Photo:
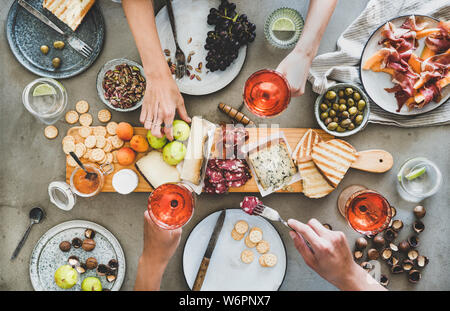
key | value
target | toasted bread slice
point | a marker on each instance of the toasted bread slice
(333, 158)
(69, 12)
(304, 147)
(314, 184)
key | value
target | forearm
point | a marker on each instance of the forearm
(141, 19)
(357, 279)
(149, 274)
(319, 14)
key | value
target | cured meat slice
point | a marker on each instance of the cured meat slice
(249, 203)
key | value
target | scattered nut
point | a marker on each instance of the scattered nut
(413, 254)
(414, 276)
(379, 241)
(113, 264)
(358, 255)
(88, 245)
(361, 243)
(413, 241)
(396, 269)
(419, 211)
(397, 225)
(407, 264)
(89, 233)
(81, 268)
(76, 242)
(367, 266)
(328, 226)
(404, 246)
(418, 226)
(102, 269)
(91, 263)
(393, 211)
(422, 261)
(390, 234)
(65, 246)
(386, 254)
(384, 280)
(73, 261)
(392, 261)
(393, 247)
(373, 254)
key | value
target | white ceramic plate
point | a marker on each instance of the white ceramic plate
(190, 20)
(375, 82)
(46, 257)
(226, 270)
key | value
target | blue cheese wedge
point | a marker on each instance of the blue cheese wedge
(273, 165)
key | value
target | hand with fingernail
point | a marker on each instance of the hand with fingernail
(330, 257)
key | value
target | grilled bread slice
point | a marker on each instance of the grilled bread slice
(304, 147)
(315, 186)
(71, 12)
(333, 158)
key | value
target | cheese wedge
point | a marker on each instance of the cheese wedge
(193, 160)
(333, 158)
(70, 12)
(155, 170)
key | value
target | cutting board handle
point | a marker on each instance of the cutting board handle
(374, 161)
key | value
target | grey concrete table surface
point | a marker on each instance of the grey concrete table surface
(29, 162)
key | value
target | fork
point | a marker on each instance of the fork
(180, 69)
(77, 44)
(272, 214)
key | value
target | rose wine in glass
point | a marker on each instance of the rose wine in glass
(368, 212)
(267, 93)
(171, 205)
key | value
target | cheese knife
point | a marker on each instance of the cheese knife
(201, 274)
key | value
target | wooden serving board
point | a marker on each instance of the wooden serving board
(293, 136)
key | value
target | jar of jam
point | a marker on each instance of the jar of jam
(64, 195)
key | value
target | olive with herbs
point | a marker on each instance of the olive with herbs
(56, 62)
(350, 102)
(332, 113)
(44, 49)
(330, 95)
(356, 96)
(324, 115)
(332, 126)
(323, 107)
(361, 105)
(348, 91)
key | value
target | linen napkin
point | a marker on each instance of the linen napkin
(324, 71)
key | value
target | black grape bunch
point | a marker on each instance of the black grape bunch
(231, 31)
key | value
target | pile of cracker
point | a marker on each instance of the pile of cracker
(96, 144)
(254, 239)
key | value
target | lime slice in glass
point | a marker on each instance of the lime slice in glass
(283, 24)
(416, 173)
(44, 89)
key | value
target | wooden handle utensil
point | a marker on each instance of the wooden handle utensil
(374, 161)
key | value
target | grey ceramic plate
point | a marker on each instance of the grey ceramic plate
(336, 88)
(25, 34)
(101, 75)
(47, 257)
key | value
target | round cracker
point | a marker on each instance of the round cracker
(262, 247)
(82, 106)
(111, 128)
(68, 138)
(261, 261)
(236, 236)
(249, 243)
(116, 142)
(270, 260)
(68, 147)
(90, 141)
(85, 131)
(71, 162)
(255, 235)
(99, 131)
(87, 154)
(114, 153)
(80, 149)
(98, 155)
(72, 117)
(247, 256)
(51, 132)
(241, 227)
(108, 146)
(86, 119)
(101, 141)
(109, 157)
(104, 115)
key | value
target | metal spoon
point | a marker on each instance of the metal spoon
(36, 215)
(89, 175)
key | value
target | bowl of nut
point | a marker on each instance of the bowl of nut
(342, 110)
(121, 84)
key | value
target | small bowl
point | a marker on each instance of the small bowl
(336, 88)
(101, 74)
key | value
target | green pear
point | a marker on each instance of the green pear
(91, 284)
(181, 130)
(156, 142)
(174, 152)
(66, 277)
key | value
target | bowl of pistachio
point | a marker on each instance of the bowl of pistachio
(343, 110)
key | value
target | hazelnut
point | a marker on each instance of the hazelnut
(397, 225)
(419, 211)
(73, 261)
(89, 233)
(361, 243)
(386, 254)
(393, 247)
(396, 269)
(328, 226)
(379, 241)
(88, 245)
(65, 246)
(76, 242)
(418, 226)
(113, 264)
(414, 276)
(81, 268)
(390, 234)
(384, 281)
(413, 241)
(358, 255)
(422, 261)
(404, 246)
(373, 254)
(102, 269)
(91, 263)
(407, 264)
(413, 254)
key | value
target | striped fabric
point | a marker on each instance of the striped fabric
(324, 71)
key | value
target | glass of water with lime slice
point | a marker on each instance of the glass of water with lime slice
(46, 99)
(417, 179)
(283, 28)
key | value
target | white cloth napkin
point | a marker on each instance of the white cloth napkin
(325, 71)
